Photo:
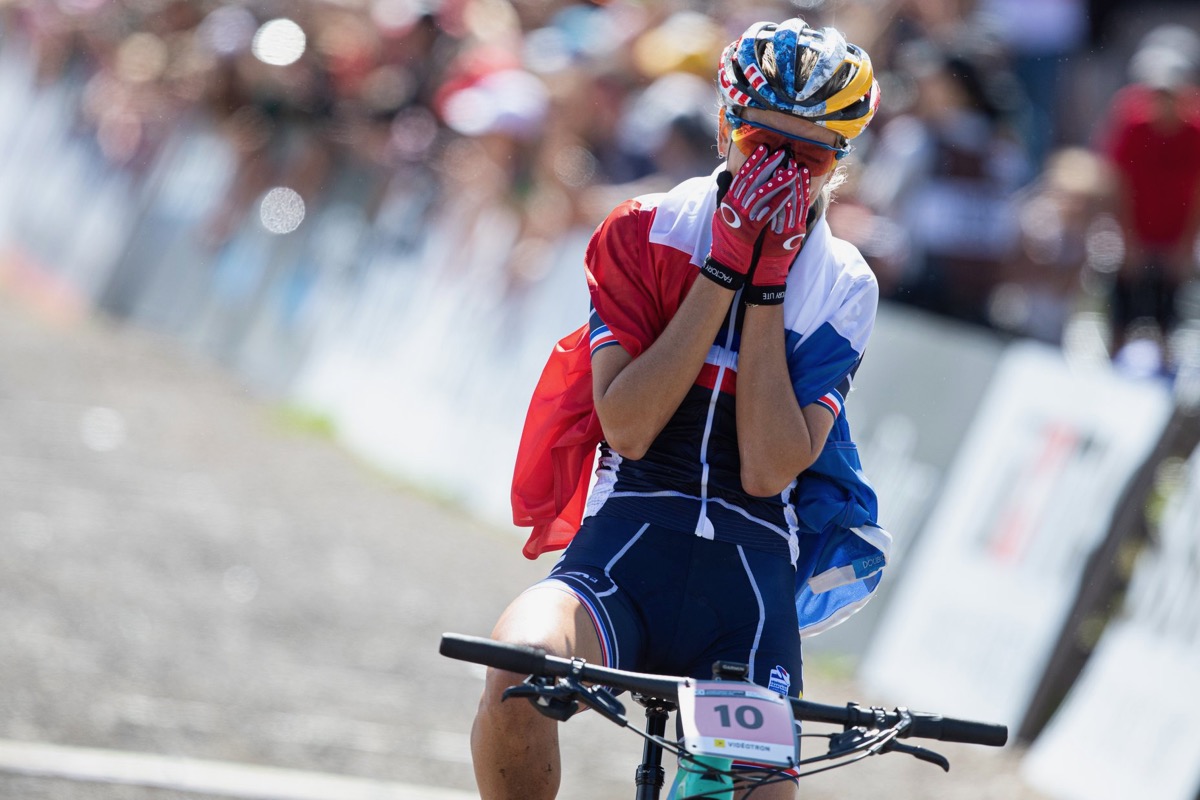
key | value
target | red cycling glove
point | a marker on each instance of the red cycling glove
(757, 193)
(781, 240)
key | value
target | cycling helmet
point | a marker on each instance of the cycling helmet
(813, 73)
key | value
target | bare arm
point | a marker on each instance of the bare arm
(777, 439)
(635, 397)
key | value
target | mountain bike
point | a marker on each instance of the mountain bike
(735, 735)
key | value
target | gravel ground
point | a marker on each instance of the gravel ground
(186, 573)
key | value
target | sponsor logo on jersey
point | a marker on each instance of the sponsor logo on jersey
(780, 680)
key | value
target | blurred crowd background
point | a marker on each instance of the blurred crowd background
(376, 211)
(991, 188)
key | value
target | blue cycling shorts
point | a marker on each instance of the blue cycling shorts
(672, 603)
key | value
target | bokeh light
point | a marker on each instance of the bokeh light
(387, 88)
(575, 166)
(279, 42)
(227, 30)
(141, 58)
(1105, 245)
(395, 15)
(281, 210)
(414, 132)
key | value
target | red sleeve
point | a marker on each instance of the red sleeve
(622, 278)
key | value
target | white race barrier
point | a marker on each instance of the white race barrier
(985, 596)
(1130, 726)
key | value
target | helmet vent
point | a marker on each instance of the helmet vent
(839, 81)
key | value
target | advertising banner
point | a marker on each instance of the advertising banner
(986, 591)
(1131, 724)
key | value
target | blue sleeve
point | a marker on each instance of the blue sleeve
(820, 365)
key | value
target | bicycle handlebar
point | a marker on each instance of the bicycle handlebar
(535, 661)
(923, 725)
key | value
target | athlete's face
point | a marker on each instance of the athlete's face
(819, 160)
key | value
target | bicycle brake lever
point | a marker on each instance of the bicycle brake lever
(922, 753)
(556, 702)
(847, 741)
(605, 703)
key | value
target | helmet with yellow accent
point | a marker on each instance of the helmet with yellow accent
(813, 73)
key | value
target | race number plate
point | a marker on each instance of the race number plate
(729, 719)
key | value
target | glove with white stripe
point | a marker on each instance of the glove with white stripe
(756, 194)
(781, 240)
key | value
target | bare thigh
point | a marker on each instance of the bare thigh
(553, 620)
(514, 748)
(540, 617)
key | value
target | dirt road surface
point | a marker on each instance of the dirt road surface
(200, 599)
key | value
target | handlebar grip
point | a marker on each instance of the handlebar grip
(948, 729)
(508, 657)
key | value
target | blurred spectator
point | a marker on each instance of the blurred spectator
(276, 106)
(1152, 137)
(1061, 215)
(670, 129)
(496, 183)
(518, 123)
(946, 172)
(1038, 37)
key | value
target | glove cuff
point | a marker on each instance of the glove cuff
(763, 295)
(722, 275)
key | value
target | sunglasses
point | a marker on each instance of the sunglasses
(819, 157)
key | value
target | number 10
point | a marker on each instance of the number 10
(747, 717)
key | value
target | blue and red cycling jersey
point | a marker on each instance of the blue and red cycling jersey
(641, 262)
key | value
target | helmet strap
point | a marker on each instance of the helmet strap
(724, 138)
